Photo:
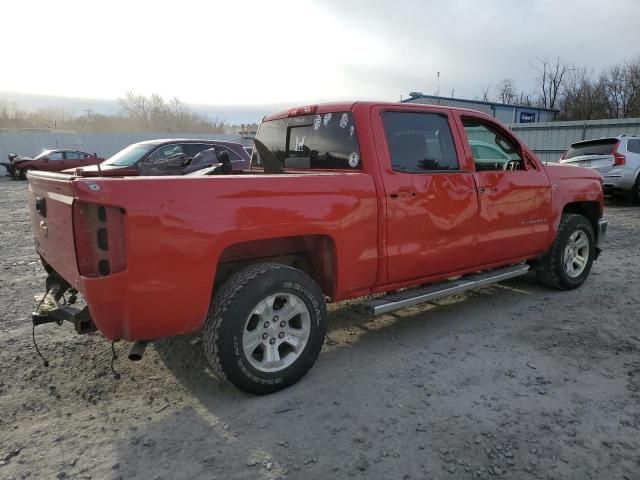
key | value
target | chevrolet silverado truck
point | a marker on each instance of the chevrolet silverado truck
(344, 200)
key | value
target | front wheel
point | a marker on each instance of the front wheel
(22, 173)
(567, 265)
(265, 327)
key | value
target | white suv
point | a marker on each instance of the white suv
(617, 159)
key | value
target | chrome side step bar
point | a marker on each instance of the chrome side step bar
(414, 296)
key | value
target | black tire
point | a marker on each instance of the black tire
(551, 268)
(232, 304)
(22, 173)
(634, 193)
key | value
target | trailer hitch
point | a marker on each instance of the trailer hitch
(49, 309)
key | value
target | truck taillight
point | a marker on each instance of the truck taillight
(99, 233)
(306, 110)
(618, 158)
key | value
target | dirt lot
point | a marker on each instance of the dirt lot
(513, 380)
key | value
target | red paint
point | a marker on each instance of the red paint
(359, 239)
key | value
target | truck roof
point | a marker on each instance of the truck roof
(321, 108)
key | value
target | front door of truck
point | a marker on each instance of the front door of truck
(431, 200)
(514, 193)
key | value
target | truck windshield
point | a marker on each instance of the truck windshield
(603, 146)
(324, 141)
(129, 156)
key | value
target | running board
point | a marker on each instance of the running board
(414, 296)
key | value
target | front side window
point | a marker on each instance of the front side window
(322, 141)
(129, 155)
(165, 152)
(419, 142)
(73, 155)
(491, 149)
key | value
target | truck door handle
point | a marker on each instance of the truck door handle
(402, 194)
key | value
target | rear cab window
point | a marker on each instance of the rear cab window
(326, 141)
(603, 146)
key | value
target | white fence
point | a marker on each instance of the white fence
(31, 142)
(551, 139)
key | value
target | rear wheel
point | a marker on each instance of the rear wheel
(265, 327)
(567, 264)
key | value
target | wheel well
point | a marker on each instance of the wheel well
(313, 254)
(590, 210)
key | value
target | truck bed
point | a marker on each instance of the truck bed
(176, 229)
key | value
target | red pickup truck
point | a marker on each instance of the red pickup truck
(342, 200)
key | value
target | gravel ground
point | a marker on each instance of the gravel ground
(513, 380)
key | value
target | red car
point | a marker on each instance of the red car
(342, 201)
(49, 161)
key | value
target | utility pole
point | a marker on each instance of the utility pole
(438, 90)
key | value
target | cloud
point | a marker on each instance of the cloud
(475, 43)
(302, 51)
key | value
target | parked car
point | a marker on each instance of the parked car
(49, 161)
(126, 161)
(344, 200)
(617, 159)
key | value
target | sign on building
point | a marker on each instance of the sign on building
(527, 117)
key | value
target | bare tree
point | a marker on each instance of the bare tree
(486, 92)
(524, 99)
(621, 86)
(582, 98)
(506, 91)
(550, 81)
(137, 106)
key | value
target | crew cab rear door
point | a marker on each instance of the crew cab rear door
(514, 192)
(431, 200)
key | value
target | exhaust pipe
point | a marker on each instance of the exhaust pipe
(137, 350)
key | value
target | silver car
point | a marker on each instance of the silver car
(617, 159)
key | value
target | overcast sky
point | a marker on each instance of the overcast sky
(250, 52)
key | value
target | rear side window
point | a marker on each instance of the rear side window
(323, 141)
(603, 146)
(192, 149)
(633, 146)
(419, 142)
